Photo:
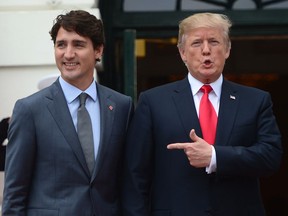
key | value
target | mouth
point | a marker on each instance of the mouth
(70, 65)
(207, 63)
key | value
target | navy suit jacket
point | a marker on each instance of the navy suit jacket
(161, 182)
(46, 173)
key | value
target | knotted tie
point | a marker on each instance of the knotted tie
(207, 116)
(85, 134)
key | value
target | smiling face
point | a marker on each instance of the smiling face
(75, 58)
(204, 51)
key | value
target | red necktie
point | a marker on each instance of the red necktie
(207, 116)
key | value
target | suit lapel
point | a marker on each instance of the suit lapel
(229, 101)
(107, 110)
(59, 110)
(227, 112)
(186, 108)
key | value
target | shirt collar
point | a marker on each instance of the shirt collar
(71, 92)
(196, 85)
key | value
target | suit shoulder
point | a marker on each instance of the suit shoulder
(113, 93)
(168, 87)
(245, 89)
(36, 99)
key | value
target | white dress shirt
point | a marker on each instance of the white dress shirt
(214, 97)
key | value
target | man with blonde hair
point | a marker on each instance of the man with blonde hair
(198, 146)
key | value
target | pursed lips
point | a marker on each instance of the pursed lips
(207, 62)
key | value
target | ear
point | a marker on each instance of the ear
(98, 52)
(182, 53)
(227, 54)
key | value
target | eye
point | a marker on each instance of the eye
(60, 45)
(214, 42)
(196, 44)
(79, 44)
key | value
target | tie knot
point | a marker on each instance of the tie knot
(82, 98)
(206, 89)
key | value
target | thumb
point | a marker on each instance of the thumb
(193, 135)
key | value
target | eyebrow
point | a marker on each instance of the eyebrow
(79, 41)
(73, 41)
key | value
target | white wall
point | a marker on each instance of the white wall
(26, 51)
(45, 4)
(18, 82)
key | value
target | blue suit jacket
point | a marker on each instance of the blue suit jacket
(161, 182)
(46, 172)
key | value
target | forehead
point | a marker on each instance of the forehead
(69, 35)
(205, 32)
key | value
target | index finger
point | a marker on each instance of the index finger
(177, 146)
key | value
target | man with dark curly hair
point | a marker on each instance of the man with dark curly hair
(47, 169)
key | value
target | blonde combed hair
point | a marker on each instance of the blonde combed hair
(209, 20)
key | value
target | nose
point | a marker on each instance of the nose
(206, 48)
(69, 52)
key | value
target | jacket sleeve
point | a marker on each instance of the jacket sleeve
(19, 160)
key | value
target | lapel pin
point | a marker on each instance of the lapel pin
(232, 97)
(110, 107)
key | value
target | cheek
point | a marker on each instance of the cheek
(221, 55)
(188, 55)
(58, 54)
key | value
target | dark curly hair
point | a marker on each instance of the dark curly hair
(83, 23)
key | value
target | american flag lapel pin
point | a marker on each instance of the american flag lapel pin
(232, 97)
(111, 107)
